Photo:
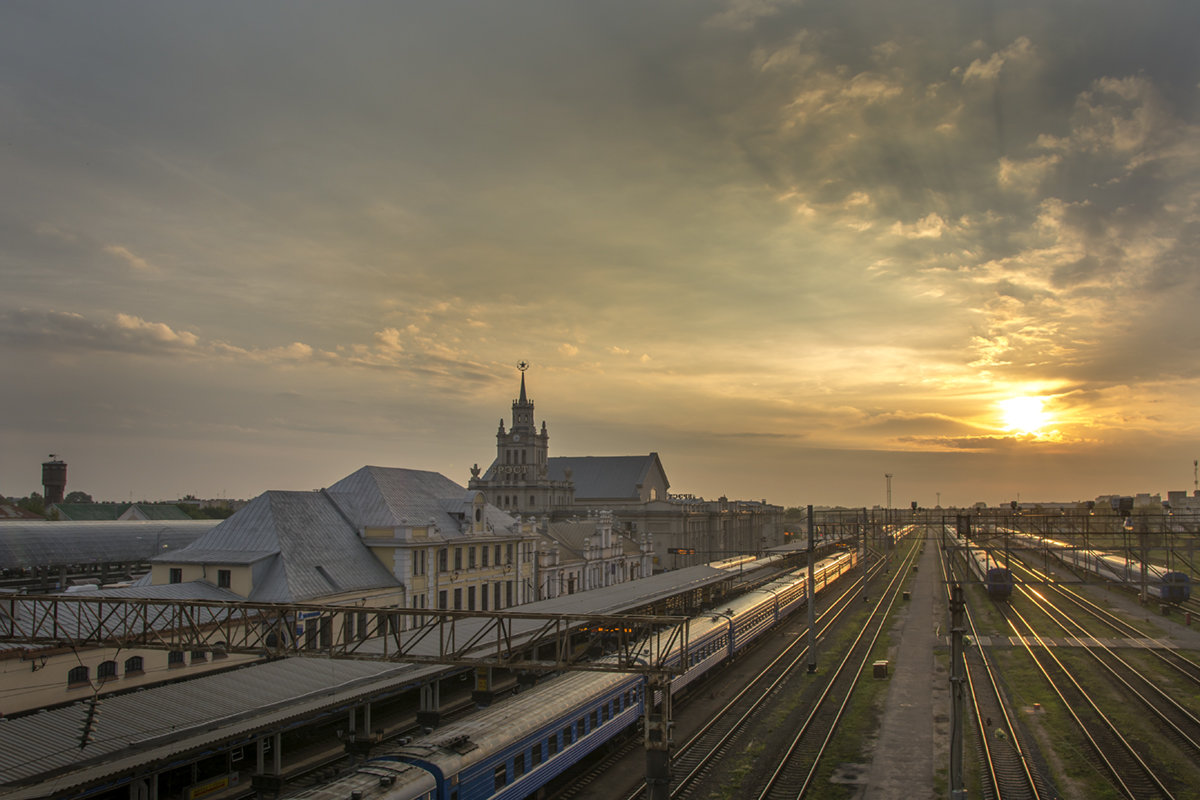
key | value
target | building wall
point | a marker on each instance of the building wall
(40, 679)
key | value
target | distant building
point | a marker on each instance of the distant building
(54, 480)
(125, 512)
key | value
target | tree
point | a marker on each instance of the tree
(78, 497)
(35, 503)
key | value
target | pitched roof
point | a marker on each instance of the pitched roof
(391, 497)
(605, 476)
(569, 535)
(311, 550)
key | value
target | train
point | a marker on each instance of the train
(1170, 586)
(514, 747)
(992, 572)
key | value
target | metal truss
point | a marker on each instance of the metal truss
(513, 640)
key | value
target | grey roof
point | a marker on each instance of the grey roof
(314, 551)
(136, 728)
(27, 544)
(569, 535)
(390, 497)
(191, 590)
(605, 476)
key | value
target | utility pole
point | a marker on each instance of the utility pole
(812, 596)
(659, 724)
(888, 475)
(958, 680)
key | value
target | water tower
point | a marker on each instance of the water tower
(54, 479)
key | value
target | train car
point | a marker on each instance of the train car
(514, 747)
(379, 779)
(1169, 585)
(994, 574)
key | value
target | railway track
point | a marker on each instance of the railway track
(803, 757)
(1008, 772)
(580, 782)
(1111, 751)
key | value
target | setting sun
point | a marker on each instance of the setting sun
(1024, 414)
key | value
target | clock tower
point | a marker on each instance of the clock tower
(518, 480)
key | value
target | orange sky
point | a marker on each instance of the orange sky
(788, 246)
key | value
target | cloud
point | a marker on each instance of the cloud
(1025, 176)
(932, 226)
(568, 350)
(1020, 52)
(741, 15)
(129, 258)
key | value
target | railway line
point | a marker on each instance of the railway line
(797, 768)
(1007, 762)
(695, 759)
(1119, 686)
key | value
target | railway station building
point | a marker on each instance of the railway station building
(684, 530)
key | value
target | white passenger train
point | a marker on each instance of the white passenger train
(1165, 584)
(514, 747)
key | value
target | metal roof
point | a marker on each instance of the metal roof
(315, 550)
(42, 750)
(26, 544)
(391, 497)
(570, 536)
(605, 476)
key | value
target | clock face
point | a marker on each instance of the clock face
(516, 437)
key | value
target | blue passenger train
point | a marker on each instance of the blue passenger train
(514, 747)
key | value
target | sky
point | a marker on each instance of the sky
(792, 247)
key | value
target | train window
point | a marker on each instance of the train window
(552, 745)
(567, 736)
(535, 754)
(595, 720)
(579, 729)
(519, 765)
(499, 777)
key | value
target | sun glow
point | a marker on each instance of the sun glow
(1024, 414)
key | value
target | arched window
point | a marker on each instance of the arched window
(134, 665)
(77, 676)
(107, 671)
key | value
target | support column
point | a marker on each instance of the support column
(483, 693)
(659, 725)
(268, 780)
(429, 714)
